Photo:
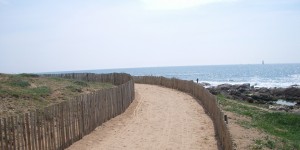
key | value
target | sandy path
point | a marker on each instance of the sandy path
(159, 118)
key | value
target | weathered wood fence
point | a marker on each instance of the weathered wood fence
(58, 126)
(207, 100)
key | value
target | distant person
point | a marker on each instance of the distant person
(197, 80)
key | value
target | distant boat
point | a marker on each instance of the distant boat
(263, 62)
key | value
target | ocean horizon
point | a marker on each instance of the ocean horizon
(258, 75)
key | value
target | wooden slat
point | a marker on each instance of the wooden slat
(28, 131)
(58, 127)
(17, 132)
(67, 124)
(81, 113)
(13, 133)
(35, 127)
(76, 119)
(33, 130)
(1, 136)
(54, 127)
(43, 130)
(5, 133)
(23, 132)
(51, 138)
(62, 126)
(71, 122)
(9, 134)
(38, 126)
(48, 135)
(46, 129)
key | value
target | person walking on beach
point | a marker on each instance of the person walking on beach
(197, 80)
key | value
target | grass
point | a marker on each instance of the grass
(266, 142)
(28, 75)
(245, 124)
(17, 81)
(73, 88)
(282, 125)
(26, 93)
(22, 92)
(81, 83)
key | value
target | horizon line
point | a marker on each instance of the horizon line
(82, 70)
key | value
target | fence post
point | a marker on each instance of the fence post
(225, 118)
(28, 131)
(1, 136)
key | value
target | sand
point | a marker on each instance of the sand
(159, 118)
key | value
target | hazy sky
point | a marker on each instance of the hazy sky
(56, 35)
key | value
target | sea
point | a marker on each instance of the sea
(258, 75)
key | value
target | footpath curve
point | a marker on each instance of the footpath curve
(158, 118)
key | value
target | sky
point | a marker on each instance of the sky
(45, 36)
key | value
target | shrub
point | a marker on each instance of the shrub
(74, 88)
(19, 83)
(80, 83)
(42, 91)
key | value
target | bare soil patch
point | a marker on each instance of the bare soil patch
(243, 136)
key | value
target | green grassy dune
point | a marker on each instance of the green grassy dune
(24, 92)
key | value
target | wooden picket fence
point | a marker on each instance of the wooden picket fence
(204, 97)
(58, 126)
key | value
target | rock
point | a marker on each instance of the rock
(224, 86)
(292, 92)
(296, 111)
(244, 97)
(245, 86)
(234, 92)
(278, 91)
(255, 94)
(271, 107)
(250, 101)
(241, 88)
(279, 108)
(262, 96)
(213, 90)
(263, 90)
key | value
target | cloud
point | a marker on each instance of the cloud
(178, 4)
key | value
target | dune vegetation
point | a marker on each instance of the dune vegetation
(21, 93)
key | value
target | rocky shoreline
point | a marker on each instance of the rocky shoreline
(259, 95)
